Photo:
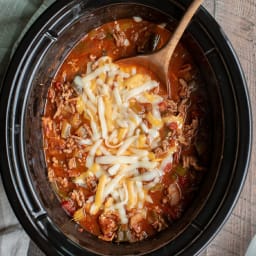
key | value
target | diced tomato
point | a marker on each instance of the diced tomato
(178, 211)
(168, 167)
(58, 85)
(176, 157)
(69, 207)
(162, 106)
(170, 213)
(184, 180)
(173, 126)
(172, 142)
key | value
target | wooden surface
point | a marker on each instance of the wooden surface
(238, 20)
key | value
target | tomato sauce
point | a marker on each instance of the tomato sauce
(63, 123)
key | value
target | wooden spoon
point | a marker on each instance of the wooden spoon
(159, 61)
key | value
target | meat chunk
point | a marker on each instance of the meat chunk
(184, 91)
(91, 182)
(120, 39)
(156, 220)
(188, 161)
(163, 149)
(189, 132)
(63, 182)
(78, 197)
(136, 224)
(68, 206)
(174, 194)
(72, 163)
(48, 126)
(172, 106)
(109, 222)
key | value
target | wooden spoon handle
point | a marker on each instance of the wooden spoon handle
(171, 45)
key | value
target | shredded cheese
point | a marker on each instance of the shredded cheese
(132, 196)
(116, 159)
(90, 157)
(136, 91)
(113, 169)
(122, 138)
(101, 111)
(99, 195)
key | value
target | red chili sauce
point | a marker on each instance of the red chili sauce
(65, 125)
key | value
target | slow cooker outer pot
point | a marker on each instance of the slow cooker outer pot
(22, 101)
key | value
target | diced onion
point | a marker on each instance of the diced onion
(137, 18)
(65, 130)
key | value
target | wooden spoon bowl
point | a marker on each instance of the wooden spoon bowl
(158, 62)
